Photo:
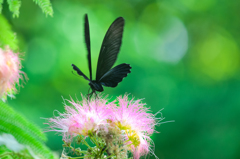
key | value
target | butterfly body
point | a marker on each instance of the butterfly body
(96, 86)
(106, 75)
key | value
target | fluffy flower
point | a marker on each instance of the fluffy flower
(125, 125)
(133, 118)
(9, 73)
(82, 118)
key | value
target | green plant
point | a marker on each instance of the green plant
(23, 131)
(14, 6)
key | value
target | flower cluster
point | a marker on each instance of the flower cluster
(9, 73)
(121, 126)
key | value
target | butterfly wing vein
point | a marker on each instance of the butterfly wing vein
(110, 47)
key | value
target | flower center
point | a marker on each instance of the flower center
(133, 137)
(131, 134)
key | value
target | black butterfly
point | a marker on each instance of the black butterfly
(108, 55)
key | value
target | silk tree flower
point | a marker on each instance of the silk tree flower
(136, 123)
(10, 72)
(81, 118)
(122, 126)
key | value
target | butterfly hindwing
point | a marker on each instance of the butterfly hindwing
(110, 47)
(87, 41)
(115, 75)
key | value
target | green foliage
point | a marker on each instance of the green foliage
(1, 2)
(7, 37)
(45, 5)
(25, 132)
(14, 6)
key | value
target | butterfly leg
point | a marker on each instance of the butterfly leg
(89, 95)
(95, 93)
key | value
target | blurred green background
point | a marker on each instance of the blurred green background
(184, 56)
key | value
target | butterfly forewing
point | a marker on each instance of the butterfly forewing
(110, 48)
(87, 41)
(115, 75)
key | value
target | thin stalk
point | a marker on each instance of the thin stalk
(93, 139)
(77, 150)
(85, 142)
(81, 157)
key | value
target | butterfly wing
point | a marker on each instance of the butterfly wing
(79, 72)
(110, 48)
(87, 41)
(115, 75)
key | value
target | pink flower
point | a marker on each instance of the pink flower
(124, 124)
(9, 73)
(82, 118)
(133, 118)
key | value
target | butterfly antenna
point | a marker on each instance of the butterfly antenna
(73, 73)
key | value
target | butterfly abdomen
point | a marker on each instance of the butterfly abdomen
(96, 86)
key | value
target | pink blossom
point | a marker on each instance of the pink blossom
(134, 119)
(9, 72)
(124, 120)
(82, 118)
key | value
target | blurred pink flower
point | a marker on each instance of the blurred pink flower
(82, 118)
(134, 119)
(10, 73)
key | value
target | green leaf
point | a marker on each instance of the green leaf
(45, 5)
(7, 36)
(1, 2)
(14, 6)
(25, 132)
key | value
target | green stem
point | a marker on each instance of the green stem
(93, 139)
(79, 151)
(111, 156)
(102, 152)
(81, 157)
(85, 142)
